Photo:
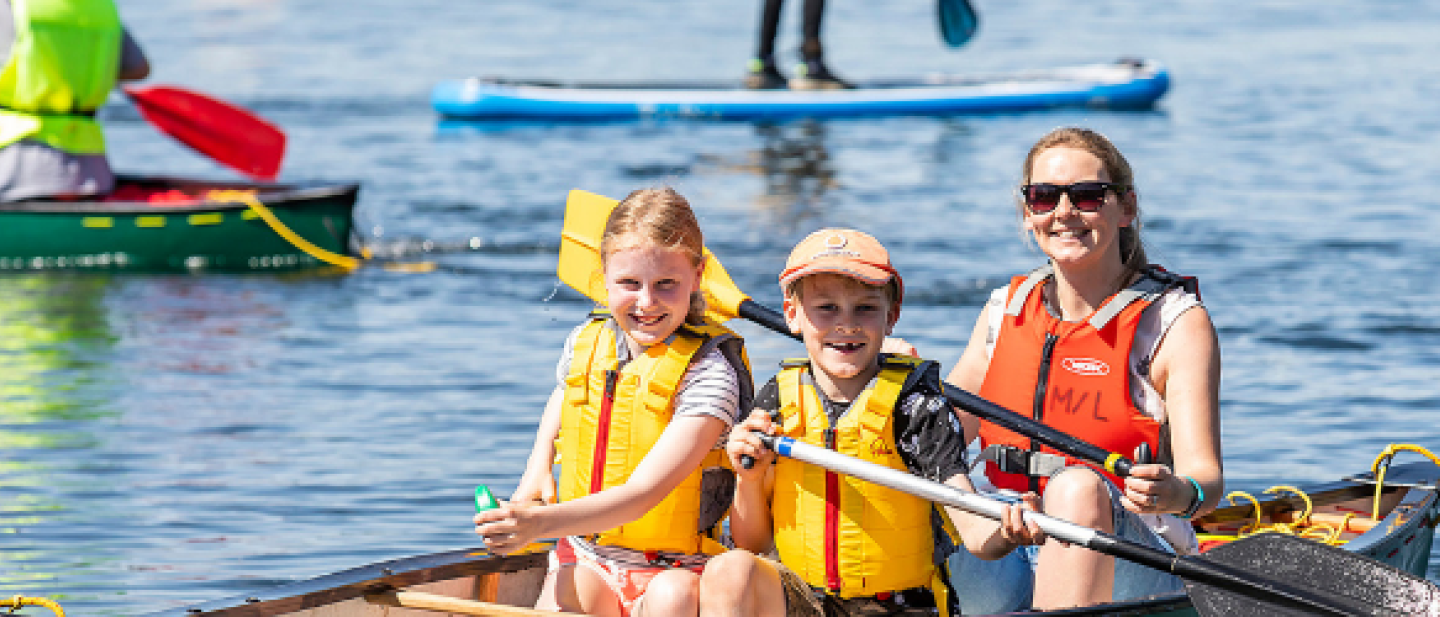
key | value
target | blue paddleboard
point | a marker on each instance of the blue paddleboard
(1127, 84)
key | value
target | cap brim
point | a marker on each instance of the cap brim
(865, 273)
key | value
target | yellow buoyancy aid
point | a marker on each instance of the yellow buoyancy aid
(612, 417)
(61, 68)
(847, 536)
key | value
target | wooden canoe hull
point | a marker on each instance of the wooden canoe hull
(1402, 538)
(221, 235)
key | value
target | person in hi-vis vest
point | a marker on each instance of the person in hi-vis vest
(62, 58)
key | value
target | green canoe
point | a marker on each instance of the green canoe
(474, 582)
(170, 223)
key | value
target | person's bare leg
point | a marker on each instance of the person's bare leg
(739, 584)
(1069, 575)
(671, 593)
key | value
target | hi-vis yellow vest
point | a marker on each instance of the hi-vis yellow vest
(847, 536)
(61, 68)
(612, 418)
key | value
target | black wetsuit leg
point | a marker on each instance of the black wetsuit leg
(769, 28)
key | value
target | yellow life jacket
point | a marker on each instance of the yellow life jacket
(848, 536)
(61, 68)
(612, 418)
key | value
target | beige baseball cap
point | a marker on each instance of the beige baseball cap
(847, 252)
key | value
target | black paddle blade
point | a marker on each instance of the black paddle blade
(1347, 580)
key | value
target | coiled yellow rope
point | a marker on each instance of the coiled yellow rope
(17, 602)
(1324, 532)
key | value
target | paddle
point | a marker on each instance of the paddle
(958, 21)
(585, 215)
(232, 136)
(1265, 574)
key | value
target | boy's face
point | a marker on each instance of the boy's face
(843, 322)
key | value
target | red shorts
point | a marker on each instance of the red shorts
(628, 583)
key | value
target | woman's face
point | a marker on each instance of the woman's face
(1067, 235)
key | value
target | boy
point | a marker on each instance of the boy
(847, 547)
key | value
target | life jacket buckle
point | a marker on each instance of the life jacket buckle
(1010, 459)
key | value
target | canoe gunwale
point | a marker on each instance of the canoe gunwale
(345, 585)
(283, 195)
(1416, 507)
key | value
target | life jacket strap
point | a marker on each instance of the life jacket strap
(79, 113)
(1010, 459)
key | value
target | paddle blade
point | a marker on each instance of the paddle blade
(581, 267)
(585, 216)
(958, 21)
(228, 134)
(1346, 579)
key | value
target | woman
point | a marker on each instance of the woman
(1102, 345)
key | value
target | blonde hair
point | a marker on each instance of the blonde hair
(662, 218)
(1132, 249)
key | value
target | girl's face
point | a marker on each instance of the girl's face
(649, 291)
(1067, 235)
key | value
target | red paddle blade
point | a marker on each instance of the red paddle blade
(232, 136)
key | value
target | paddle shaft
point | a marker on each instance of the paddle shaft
(1114, 463)
(1214, 574)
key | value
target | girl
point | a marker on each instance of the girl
(648, 390)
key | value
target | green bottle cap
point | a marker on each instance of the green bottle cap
(484, 500)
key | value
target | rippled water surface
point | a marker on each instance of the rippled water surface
(169, 439)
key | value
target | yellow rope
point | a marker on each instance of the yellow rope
(1388, 455)
(19, 601)
(248, 198)
(1303, 526)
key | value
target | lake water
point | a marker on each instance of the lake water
(171, 439)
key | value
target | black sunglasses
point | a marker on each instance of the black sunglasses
(1085, 196)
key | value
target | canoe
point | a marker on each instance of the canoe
(1126, 84)
(473, 581)
(155, 223)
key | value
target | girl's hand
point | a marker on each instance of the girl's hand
(1154, 489)
(1015, 529)
(744, 443)
(508, 528)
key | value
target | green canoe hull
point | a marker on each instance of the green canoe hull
(120, 235)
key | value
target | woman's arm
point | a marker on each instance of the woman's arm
(1186, 373)
(969, 371)
(678, 452)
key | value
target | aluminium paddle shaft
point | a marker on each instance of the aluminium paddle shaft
(1209, 573)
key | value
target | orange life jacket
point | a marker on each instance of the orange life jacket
(1073, 376)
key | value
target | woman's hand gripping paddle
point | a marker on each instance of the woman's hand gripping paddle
(1265, 574)
(580, 268)
(228, 134)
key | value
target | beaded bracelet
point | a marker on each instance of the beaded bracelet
(1199, 499)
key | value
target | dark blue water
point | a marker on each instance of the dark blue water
(166, 440)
